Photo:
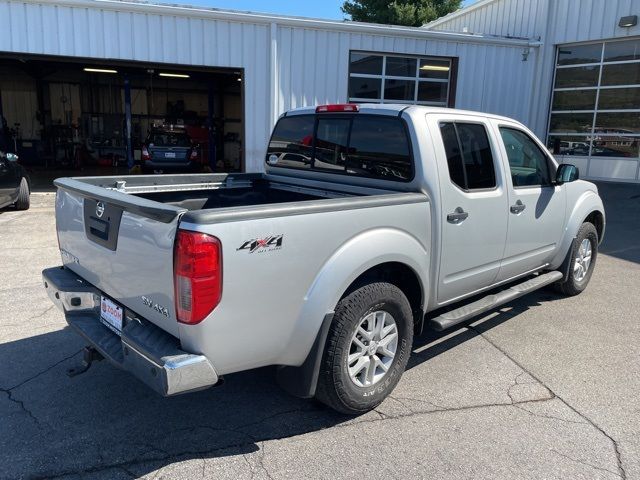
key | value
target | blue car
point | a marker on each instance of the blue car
(168, 149)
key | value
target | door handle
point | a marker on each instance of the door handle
(518, 207)
(457, 216)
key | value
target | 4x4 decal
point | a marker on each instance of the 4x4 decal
(267, 244)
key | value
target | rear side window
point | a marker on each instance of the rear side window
(363, 145)
(291, 143)
(469, 156)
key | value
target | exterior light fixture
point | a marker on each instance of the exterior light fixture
(435, 68)
(174, 75)
(239, 79)
(629, 21)
(99, 70)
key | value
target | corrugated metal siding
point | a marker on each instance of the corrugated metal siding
(517, 18)
(557, 22)
(313, 69)
(312, 63)
(99, 33)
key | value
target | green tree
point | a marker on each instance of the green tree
(412, 13)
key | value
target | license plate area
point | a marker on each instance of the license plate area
(111, 314)
(170, 155)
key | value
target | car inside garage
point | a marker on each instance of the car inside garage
(69, 117)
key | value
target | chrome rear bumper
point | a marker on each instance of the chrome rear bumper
(146, 351)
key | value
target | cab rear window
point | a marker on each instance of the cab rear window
(362, 145)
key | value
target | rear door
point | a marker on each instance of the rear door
(473, 205)
(537, 207)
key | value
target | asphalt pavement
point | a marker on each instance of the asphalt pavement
(546, 387)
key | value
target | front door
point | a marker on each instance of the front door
(473, 207)
(536, 206)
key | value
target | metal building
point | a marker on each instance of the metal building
(87, 73)
(82, 82)
(586, 92)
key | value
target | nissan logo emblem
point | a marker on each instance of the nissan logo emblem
(99, 209)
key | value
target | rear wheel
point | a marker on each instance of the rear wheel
(367, 348)
(24, 198)
(584, 252)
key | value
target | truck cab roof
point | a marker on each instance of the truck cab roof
(394, 109)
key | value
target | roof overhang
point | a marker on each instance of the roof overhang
(301, 22)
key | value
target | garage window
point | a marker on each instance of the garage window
(385, 78)
(595, 111)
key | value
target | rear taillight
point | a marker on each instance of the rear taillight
(194, 154)
(337, 108)
(145, 154)
(197, 270)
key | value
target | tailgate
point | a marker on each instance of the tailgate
(121, 244)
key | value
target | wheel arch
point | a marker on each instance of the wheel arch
(596, 218)
(381, 254)
(402, 276)
(588, 207)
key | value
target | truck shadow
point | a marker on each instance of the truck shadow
(105, 419)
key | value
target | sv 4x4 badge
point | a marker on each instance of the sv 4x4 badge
(267, 244)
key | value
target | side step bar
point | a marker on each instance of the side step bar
(459, 315)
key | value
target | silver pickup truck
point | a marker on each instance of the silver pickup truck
(370, 223)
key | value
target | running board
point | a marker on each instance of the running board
(459, 315)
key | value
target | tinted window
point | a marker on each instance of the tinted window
(621, 74)
(528, 163)
(169, 139)
(331, 143)
(623, 50)
(433, 92)
(454, 155)
(379, 147)
(401, 67)
(292, 142)
(572, 54)
(476, 152)
(577, 77)
(366, 64)
(469, 155)
(430, 68)
(365, 87)
(364, 145)
(389, 78)
(399, 89)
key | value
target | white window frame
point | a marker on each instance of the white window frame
(416, 79)
(593, 135)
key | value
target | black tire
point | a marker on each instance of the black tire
(571, 286)
(24, 197)
(335, 387)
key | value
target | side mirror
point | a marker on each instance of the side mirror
(567, 173)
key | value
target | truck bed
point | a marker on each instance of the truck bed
(118, 233)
